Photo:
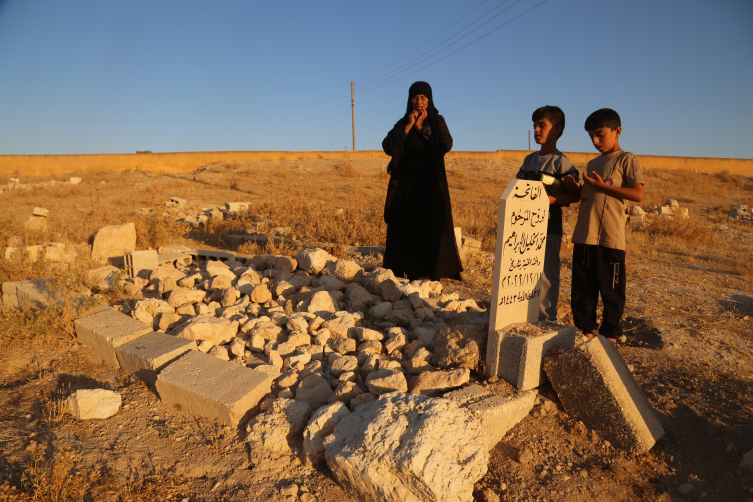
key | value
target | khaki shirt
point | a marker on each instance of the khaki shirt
(601, 217)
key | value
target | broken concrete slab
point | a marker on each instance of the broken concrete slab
(34, 295)
(595, 386)
(10, 290)
(207, 386)
(408, 448)
(520, 351)
(140, 263)
(497, 414)
(107, 329)
(147, 355)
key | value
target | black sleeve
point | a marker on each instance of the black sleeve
(444, 138)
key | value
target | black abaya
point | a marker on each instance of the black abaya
(420, 232)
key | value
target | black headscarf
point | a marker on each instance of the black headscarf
(425, 89)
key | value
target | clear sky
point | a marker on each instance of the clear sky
(168, 76)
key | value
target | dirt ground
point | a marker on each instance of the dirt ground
(688, 321)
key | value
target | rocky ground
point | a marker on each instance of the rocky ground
(689, 325)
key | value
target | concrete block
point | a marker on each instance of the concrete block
(107, 329)
(207, 386)
(140, 263)
(147, 355)
(497, 414)
(74, 180)
(34, 295)
(174, 258)
(595, 385)
(10, 290)
(178, 201)
(522, 348)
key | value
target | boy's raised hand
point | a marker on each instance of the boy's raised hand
(596, 181)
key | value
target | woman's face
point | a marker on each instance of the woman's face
(419, 102)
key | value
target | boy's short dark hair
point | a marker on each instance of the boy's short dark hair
(554, 113)
(606, 117)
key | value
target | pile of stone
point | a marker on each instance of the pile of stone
(671, 208)
(304, 321)
(15, 184)
(741, 213)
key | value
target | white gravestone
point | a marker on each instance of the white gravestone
(519, 261)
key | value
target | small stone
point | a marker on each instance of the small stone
(685, 489)
(525, 456)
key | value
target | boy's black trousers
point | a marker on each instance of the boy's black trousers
(598, 269)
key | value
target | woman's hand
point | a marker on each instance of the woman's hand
(411, 120)
(421, 117)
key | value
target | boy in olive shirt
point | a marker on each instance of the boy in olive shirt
(548, 125)
(610, 179)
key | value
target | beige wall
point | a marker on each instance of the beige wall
(36, 165)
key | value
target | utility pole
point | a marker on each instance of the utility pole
(353, 114)
(529, 141)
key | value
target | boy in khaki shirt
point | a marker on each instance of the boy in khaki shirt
(610, 179)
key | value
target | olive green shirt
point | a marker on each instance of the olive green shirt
(601, 217)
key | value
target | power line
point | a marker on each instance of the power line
(171, 118)
(435, 36)
(456, 50)
(374, 80)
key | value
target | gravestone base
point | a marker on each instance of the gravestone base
(516, 352)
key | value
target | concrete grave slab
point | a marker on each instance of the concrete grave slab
(34, 295)
(147, 355)
(521, 351)
(140, 263)
(595, 385)
(207, 386)
(497, 414)
(107, 329)
(10, 290)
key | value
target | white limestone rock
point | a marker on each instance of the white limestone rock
(321, 425)
(386, 380)
(103, 277)
(180, 296)
(86, 404)
(313, 261)
(112, 241)
(146, 310)
(217, 330)
(408, 448)
(274, 432)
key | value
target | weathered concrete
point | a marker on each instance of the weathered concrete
(107, 329)
(521, 352)
(147, 355)
(207, 386)
(10, 290)
(595, 385)
(497, 414)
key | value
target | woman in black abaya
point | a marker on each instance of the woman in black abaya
(420, 233)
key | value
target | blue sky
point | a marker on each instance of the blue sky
(117, 77)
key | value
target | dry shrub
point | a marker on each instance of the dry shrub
(157, 231)
(345, 169)
(691, 229)
(728, 177)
